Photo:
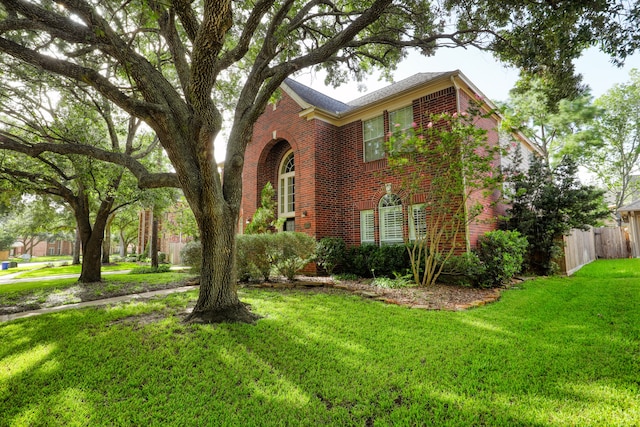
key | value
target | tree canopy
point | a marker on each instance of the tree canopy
(182, 65)
(548, 124)
(612, 154)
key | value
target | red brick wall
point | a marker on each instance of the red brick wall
(333, 183)
(488, 220)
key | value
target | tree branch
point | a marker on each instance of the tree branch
(145, 178)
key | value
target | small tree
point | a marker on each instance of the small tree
(264, 219)
(442, 166)
(547, 203)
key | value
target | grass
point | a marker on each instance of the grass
(553, 352)
(73, 269)
(12, 294)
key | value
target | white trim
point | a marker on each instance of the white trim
(286, 188)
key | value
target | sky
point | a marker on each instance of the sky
(489, 75)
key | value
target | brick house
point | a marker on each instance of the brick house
(325, 158)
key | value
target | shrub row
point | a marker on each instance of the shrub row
(258, 256)
(497, 259)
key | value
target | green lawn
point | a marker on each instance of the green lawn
(73, 269)
(551, 352)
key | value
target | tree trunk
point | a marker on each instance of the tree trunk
(77, 247)
(218, 298)
(106, 243)
(153, 244)
(123, 245)
(91, 257)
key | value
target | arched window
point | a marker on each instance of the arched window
(287, 190)
(391, 219)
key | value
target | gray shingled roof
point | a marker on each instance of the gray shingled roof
(329, 104)
(316, 98)
(396, 88)
(632, 207)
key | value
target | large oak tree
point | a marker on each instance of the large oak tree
(183, 65)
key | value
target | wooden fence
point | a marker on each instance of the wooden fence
(583, 247)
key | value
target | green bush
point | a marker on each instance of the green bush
(400, 281)
(191, 255)
(165, 268)
(253, 256)
(463, 270)
(389, 261)
(330, 253)
(357, 260)
(502, 253)
(162, 258)
(291, 252)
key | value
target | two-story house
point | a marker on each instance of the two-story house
(326, 158)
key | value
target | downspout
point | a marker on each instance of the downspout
(466, 210)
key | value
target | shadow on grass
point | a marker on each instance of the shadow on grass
(559, 352)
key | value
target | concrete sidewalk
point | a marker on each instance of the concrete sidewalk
(106, 301)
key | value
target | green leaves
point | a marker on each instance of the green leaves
(548, 203)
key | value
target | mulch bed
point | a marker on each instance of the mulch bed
(436, 297)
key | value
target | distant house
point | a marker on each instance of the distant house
(326, 158)
(630, 214)
(169, 243)
(44, 248)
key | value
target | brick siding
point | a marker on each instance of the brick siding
(332, 181)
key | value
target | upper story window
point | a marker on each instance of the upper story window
(399, 122)
(287, 187)
(401, 119)
(373, 135)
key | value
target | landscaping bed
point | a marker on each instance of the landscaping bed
(437, 297)
(72, 293)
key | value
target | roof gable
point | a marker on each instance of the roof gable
(308, 97)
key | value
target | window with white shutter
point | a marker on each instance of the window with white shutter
(417, 222)
(391, 220)
(367, 232)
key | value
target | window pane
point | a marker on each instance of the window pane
(282, 195)
(402, 117)
(418, 224)
(367, 232)
(391, 224)
(373, 134)
(291, 194)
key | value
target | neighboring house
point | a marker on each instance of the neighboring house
(630, 214)
(326, 158)
(44, 248)
(169, 243)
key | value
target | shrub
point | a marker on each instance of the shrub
(253, 256)
(146, 270)
(502, 253)
(357, 260)
(330, 253)
(162, 258)
(389, 261)
(191, 255)
(400, 281)
(291, 252)
(464, 270)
